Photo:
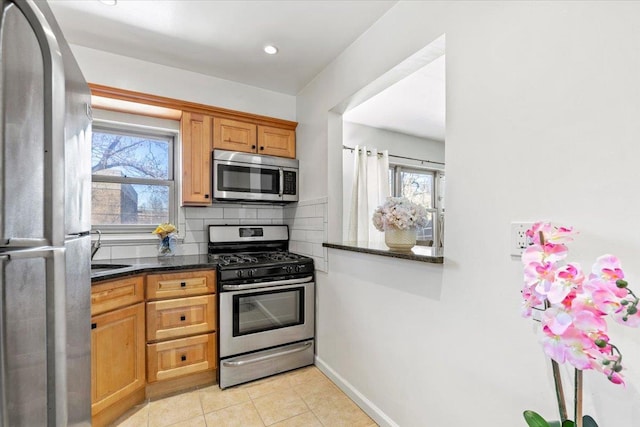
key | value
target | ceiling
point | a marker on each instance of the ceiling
(225, 39)
(414, 105)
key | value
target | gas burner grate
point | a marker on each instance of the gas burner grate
(237, 259)
(282, 256)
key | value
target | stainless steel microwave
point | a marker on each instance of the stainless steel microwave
(253, 177)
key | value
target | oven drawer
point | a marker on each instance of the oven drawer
(175, 358)
(172, 285)
(180, 317)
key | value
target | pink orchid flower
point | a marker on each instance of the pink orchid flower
(574, 328)
(548, 252)
(551, 234)
(566, 279)
(569, 347)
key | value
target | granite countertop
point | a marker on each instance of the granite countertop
(132, 266)
(417, 253)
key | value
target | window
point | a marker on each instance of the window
(132, 177)
(421, 187)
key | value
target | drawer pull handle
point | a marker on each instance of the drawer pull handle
(183, 284)
(183, 358)
(94, 325)
(183, 318)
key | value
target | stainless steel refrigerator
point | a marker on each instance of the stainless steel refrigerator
(45, 179)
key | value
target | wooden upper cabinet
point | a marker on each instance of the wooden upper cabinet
(276, 142)
(196, 159)
(234, 135)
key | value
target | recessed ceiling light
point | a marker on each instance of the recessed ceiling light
(109, 2)
(270, 49)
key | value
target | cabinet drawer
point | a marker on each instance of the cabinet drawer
(114, 294)
(172, 285)
(171, 359)
(180, 317)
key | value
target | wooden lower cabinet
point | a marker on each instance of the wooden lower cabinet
(147, 347)
(117, 361)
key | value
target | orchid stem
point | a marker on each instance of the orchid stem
(562, 407)
(577, 398)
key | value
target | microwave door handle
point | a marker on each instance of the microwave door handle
(281, 192)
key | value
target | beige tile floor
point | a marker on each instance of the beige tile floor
(301, 398)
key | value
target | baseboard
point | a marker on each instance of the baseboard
(365, 404)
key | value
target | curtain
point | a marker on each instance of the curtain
(370, 190)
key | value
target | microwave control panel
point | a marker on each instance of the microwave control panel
(289, 183)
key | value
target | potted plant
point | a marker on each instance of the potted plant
(399, 218)
(575, 305)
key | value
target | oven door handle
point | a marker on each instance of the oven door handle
(266, 284)
(297, 349)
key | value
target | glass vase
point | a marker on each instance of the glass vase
(167, 246)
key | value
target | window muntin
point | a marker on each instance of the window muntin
(132, 178)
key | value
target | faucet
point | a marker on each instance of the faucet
(96, 245)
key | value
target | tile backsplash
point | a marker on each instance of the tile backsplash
(308, 229)
(307, 223)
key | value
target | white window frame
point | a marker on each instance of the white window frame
(132, 124)
(437, 199)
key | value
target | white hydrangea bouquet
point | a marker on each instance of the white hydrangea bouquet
(399, 213)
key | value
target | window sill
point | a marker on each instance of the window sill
(418, 253)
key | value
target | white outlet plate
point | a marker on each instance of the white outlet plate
(519, 239)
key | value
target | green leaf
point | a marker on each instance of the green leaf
(587, 421)
(568, 423)
(533, 419)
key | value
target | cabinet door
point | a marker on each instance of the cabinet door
(234, 135)
(171, 359)
(117, 356)
(196, 159)
(182, 284)
(178, 317)
(277, 142)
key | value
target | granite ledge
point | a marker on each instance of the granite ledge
(417, 253)
(151, 265)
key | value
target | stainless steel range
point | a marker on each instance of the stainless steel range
(266, 300)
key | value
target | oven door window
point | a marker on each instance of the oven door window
(264, 311)
(246, 179)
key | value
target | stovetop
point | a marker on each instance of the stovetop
(255, 253)
(251, 259)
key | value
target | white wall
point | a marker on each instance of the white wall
(543, 100)
(141, 76)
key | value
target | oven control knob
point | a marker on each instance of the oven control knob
(251, 272)
(239, 273)
(299, 268)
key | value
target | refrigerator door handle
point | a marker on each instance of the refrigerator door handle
(4, 415)
(26, 242)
